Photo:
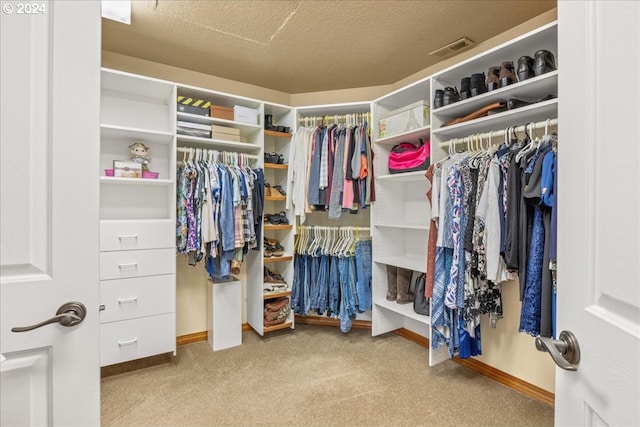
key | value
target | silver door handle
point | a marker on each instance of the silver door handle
(69, 314)
(565, 351)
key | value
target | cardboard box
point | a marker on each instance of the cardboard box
(193, 129)
(404, 119)
(245, 115)
(193, 110)
(220, 112)
(225, 133)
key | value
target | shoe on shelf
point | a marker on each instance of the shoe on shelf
(493, 78)
(280, 190)
(273, 277)
(525, 68)
(543, 62)
(465, 88)
(507, 74)
(267, 189)
(477, 84)
(451, 95)
(438, 98)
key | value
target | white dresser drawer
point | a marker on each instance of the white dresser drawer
(136, 234)
(138, 297)
(150, 262)
(137, 338)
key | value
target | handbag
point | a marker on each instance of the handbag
(406, 157)
(420, 302)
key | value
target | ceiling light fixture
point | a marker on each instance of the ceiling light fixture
(453, 47)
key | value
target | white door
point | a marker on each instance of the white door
(50, 85)
(599, 211)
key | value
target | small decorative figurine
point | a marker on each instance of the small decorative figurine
(140, 154)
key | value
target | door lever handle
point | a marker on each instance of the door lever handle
(565, 351)
(69, 314)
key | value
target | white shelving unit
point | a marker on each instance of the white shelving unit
(137, 220)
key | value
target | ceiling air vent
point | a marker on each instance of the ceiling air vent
(453, 47)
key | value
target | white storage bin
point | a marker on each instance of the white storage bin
(245, 115)
(224, 314)
(405, 119)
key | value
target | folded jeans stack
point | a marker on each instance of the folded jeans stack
(276, 311)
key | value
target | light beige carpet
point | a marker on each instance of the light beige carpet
(313, 376)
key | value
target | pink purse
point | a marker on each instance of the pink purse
(406, 157)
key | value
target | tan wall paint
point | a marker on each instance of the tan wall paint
(505, 348)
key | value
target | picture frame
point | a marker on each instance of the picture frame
(123, 169)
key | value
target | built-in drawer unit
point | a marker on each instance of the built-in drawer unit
(124, 299)
(123, 264)
(137, 338)
(131, 235)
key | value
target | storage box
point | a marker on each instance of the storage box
(193, 129)
(224, 313)
(193, 106)
(404, 119)
(245, 115)
(220, 112)
(225, 133)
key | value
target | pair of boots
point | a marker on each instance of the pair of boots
(399, 282)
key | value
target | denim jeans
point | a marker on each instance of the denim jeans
(363, 284)
(334, 286)
(258, 205)
(314, 282)
(323, 288)
(297, 288)
(347, 289)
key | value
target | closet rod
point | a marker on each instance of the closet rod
(366, 115)
(330, 227)
(498, 133)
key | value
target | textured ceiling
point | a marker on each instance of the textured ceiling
(307, 46)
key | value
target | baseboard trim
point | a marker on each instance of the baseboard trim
(330, 321)
(488, 371)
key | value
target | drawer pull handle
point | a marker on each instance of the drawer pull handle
(127, 300)
(128, 342)
(128, 265)
(128, 237)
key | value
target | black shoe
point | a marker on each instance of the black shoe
(268, 121)
(478, 86)
(543, 62)
(525, 68)
(437, 99)
(451, 95)
(465, 88)
(493, 78)
(507, 74)
(513, 103)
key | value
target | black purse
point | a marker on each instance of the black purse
(420, 302)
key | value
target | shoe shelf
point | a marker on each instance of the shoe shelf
(277, 327)
(526, 90)
(409, 136)
(519, 116)
(276, 166)
(268, 227)
(245, 128)
(277, 259)
(409, 261)
(275, 198)
(277, 134)
(278, 294)
(403, 177)
(403, 309)
(404, 226)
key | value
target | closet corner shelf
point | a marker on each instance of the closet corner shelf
(403, 309)
(276, 166)
(134, 181)
(408, 136)
(277, 327)
(278, 259)
(204, 120)
(272, 295)
(405, 226)
(531, 113)
(278, 226)
(216, 143)
(404, 177)
(277, 134)
(275, 198)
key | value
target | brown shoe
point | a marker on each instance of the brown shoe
(507, 74)
(493, 78)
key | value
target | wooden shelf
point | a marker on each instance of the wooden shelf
(271, 295)
(277, 134)
(278, 227)
(275, 166)
(275, 198)
(278, 259)
(276, 327)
